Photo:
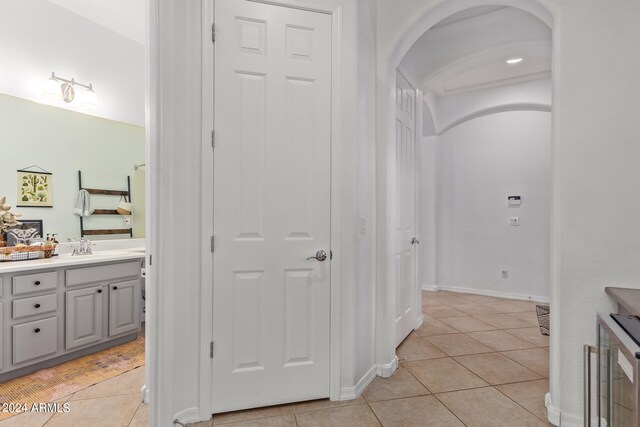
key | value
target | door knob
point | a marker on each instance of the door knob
(320, 256)
(415, 241)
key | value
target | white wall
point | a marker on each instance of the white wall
(365, 288)
(595, 231)
(480, 163)
(64, 142)
(38, 37)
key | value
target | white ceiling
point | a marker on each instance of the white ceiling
(125, 17)
(468, 51)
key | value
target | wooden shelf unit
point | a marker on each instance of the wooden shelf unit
(102, 192)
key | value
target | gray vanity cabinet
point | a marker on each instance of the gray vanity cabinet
(124, 307)
(83, 323)
(54, 314)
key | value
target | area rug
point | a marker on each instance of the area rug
(543, 318)
(62, 380)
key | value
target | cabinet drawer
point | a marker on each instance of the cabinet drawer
(35, 283)
(35, 305)
(35, 339)
(102, 273)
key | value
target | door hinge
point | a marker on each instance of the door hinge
(211, 350)
(213, 243)
(213, 139)
(150, 259)
(330, 254)
(213, 32)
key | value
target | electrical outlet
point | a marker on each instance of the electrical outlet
(514, 221)
(504, 274)
(128, 221)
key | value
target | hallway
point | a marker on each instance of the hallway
(477, 361)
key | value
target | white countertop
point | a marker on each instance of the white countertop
(67, 260)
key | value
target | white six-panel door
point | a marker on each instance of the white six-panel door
(404, 227)
(272, 164)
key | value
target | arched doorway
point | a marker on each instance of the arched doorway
(386, 92)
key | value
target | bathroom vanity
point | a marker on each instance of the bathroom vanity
(54, 310)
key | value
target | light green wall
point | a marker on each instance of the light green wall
(64, 142)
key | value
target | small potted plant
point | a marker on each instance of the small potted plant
(7, 219)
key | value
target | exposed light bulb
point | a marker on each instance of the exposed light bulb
(52, 90)
(89, 98)
(512, 61)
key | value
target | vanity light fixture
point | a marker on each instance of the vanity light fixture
(63, 89)
(512, 61)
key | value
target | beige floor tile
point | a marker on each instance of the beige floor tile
(432, 326)
(495, 368)
(112, 411)
(401, 384)
(529, 394)
(415, 347)
(487, 407)
(532, 335)
(425, 411)
(279, 421)
(467, 324)
(472, 309)
(502, 321)
(457, 344)
(31, 419)
(314, 405)
(535, 359)
(450, 298)
(430, 301)
(506, 306)
(127, 383)
(529, 317)
(252, 414)
(500, 340)
(141, 417)
(440, 311)
(355, 415)
(482, 298)
(440, 375)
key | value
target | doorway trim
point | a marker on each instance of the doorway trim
(544, 10)
(334, 8)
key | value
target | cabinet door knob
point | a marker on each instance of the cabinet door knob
(99, 291)
(37, 306)
(37, 282)
(115, 288)
(36, 330)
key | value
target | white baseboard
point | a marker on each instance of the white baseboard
(350, 393)
(188, 416)
(386, 370)
(553, 413)
(419, 321)
(144, 394)
(497, 294)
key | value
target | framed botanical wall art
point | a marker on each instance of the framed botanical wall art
(35, 189)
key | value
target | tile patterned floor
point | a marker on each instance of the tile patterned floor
(477, 361)
(111, 403)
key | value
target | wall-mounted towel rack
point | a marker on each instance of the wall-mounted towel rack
(102, 192)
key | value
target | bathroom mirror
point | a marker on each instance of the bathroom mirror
(47, 136)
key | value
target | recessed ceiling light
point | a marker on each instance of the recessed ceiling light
(512, 61)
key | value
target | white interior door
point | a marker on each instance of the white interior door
(404, 230)
(272, 164)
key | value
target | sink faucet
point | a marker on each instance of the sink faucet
(82, 248)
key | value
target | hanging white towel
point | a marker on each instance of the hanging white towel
(82, 207)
